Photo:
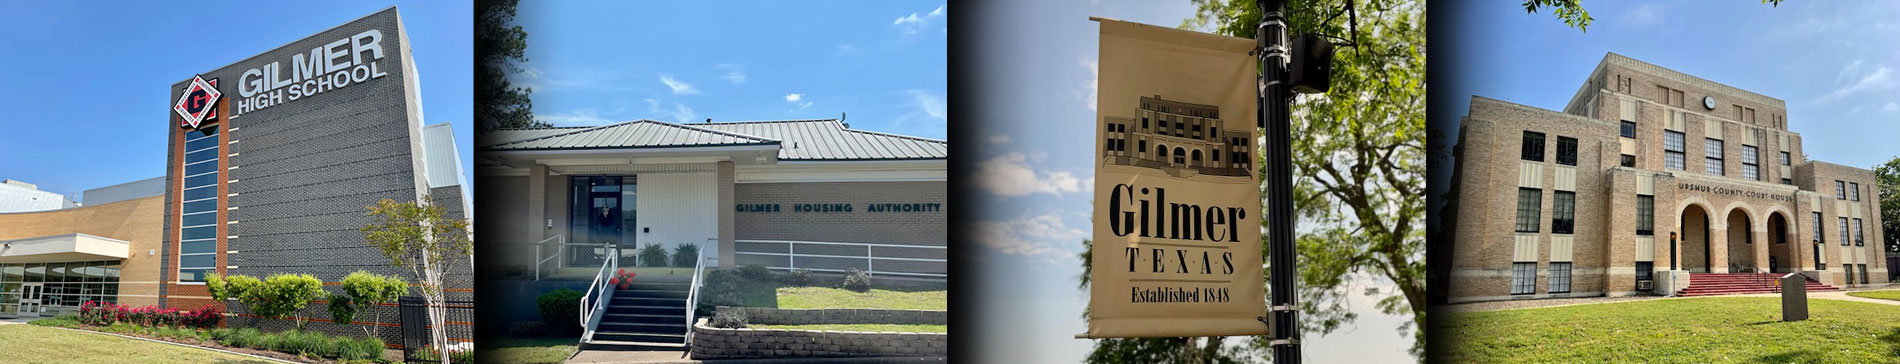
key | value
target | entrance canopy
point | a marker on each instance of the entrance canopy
(63, 248)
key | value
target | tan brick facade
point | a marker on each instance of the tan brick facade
(135, 221)
(1725, 220)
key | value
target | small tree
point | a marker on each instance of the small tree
(420, 236)
(278, 296)
(653, 255)
(685, 255)
(367, 290)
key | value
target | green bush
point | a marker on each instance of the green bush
(367, 290)
(342, 309)
(247, 338)
(728, 318)
(359, 349)
(856, 281)
(797, 278)
(756, 272)
(561, 310)
(67, 320)
(653, 256)
(685, 255)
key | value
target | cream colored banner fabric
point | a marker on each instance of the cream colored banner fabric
(1177, 199)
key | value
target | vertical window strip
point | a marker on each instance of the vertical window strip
(1645, 215)
(1563, 212)
(1529, 204)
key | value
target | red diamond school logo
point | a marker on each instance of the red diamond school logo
(198, 103)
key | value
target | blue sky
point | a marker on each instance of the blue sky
(1034, 171)
(1832, 63)
(881, 63)
(97, 75)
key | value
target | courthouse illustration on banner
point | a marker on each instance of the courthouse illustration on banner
(1177, 202)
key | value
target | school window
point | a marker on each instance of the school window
(1529, 201)
(1629, 160)
(1673, 150)
(1751, 163)
(1853, 189)
(1840, 190)
(1563, 212)
(1141, 146)
(1784, 158)
(1645, 215)
(1524, 278)
(1850, 273)
(1712, 156)
(1144, 122)
(1645, 271)
(1533, 146)
(1629, 129)
(1567, 151)
(1863, 274)
(1559, 277)
(1787, 181)
(1846, 239)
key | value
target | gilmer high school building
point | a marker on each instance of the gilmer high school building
(1651, 181)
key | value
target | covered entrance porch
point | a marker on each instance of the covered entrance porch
(51, 275)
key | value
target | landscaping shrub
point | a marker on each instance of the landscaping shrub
(342, 309)
(755, 272)
(856, 281)
(528, 329)
(685, 255)
(246, 338)
(358, 349)
(797, 278)
(561, 310)
(67, 320)
(367, 290)
(653, 256)
(202, 318)
(728, 318)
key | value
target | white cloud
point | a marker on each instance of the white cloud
(734, 73)
(1891, 107)
(1010, 175)
(1095, 80)
(1035, 236)
(847, 49)
(1644, 15)
(679, 88)
(999, 139)
(797, 99)
(910, 24)
(1880, 79)
(928, 104)
(679, 111)
(583, 117)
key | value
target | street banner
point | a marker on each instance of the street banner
(1177, 197)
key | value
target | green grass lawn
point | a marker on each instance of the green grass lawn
(529, 351)
(820, 297)
(860, 327)
(1699, 330)
(1885, 294)
(34, 344)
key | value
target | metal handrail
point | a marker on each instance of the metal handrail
(607, 267)
(692, 295)
(870, 260)
(557, 252)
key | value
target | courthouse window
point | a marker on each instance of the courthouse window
(1645, 215)
(1853, 188)
(1559, 277)
(1840, 190)
(1820, 232)
(1846, 239)
(1563, 212)
(1524, 278)
(1863, 274)
(1673, 150)
(1567, 151)
(1629, 160)
(1529, 202)
(1645, 271)
(1858, 237)
(1850, 272)
(1712, 154)
(1533, 146)
(1751, 163)
(1629, 129)
(1784, 158)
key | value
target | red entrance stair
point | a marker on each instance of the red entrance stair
(1711, 284)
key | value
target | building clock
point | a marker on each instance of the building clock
(1708, 102)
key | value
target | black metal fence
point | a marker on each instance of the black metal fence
(416, 339)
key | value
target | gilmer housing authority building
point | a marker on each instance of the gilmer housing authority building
(271, 163)
(1651, 181)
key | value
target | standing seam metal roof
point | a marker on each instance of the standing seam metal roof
(808, 140)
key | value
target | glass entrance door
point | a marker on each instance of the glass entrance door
(30, 295)
(601, 218)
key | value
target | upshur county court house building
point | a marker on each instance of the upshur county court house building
(271, 164)
(1651, 181)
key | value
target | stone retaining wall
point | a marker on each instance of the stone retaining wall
(716, 343)
(780, 316)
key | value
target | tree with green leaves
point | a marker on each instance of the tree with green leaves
(500, 49)
(363, 291)
(1887, 188)
(277, 296)
(419, 236)
(1572, 13)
